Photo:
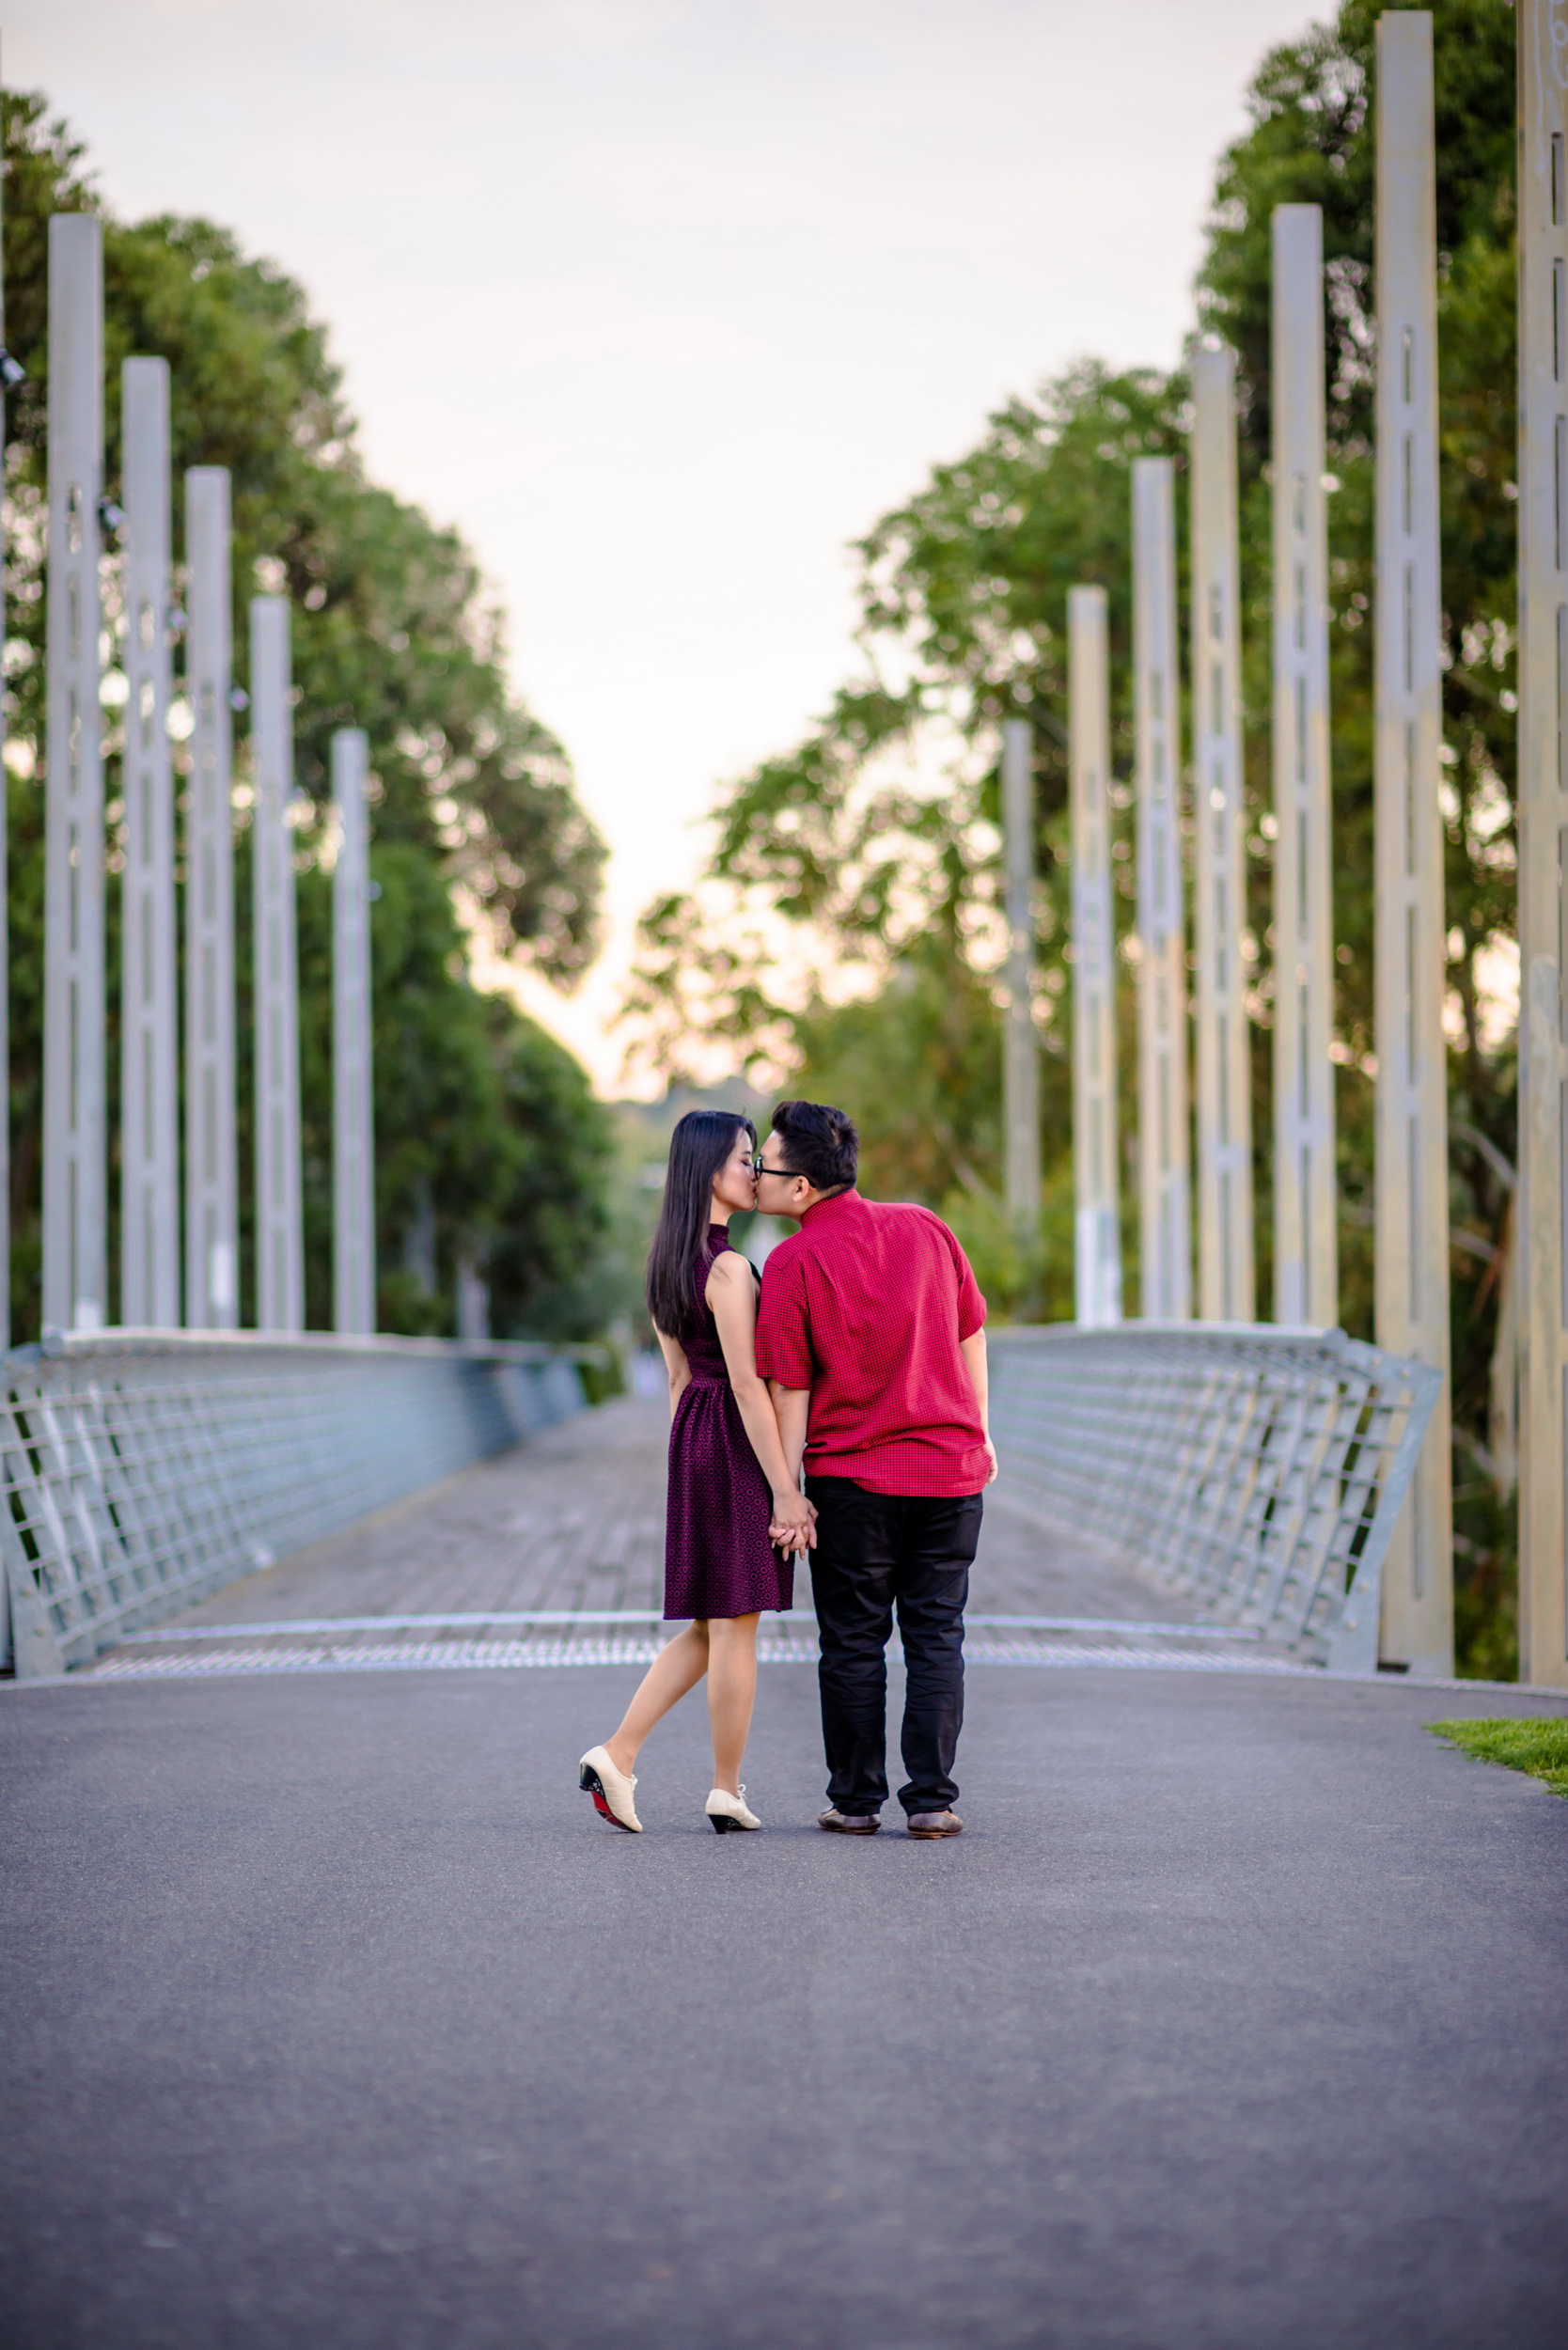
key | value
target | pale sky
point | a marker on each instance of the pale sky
(663, 302)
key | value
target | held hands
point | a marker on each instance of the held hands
(793, 1523)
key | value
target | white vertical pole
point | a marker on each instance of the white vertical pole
(279, 1241)
(4, 904)
(74, 1251)
(1225, 1265)
(211, 1184)
(1021, 1053)
(1097, 1295)
(149, 1081)
(1542, 1205)
(354, 1231)
(1306, 1234)
(473, 1303)
(1164, 1185)
(1412, 1272)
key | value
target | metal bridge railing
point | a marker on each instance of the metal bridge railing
(1259, 1469)
(142, 1470)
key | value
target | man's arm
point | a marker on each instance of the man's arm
(793, 1405)
(784, 1344)
(973, 1350)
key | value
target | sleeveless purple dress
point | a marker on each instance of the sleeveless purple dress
(718, 1560)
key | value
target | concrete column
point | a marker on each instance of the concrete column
(149, 1073)
(1306, 1212)
(212, 1186)
(279, 1238)
(1225, 1252)
(75, 1253)
(1097, 1231)
(1412, 1274)
(353, 1184)
(1021, 1053)
(1542, 1207)
(1164, 1183)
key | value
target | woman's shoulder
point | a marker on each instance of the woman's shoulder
(728, 1264)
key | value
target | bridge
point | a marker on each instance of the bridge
(1235, 2017)
(1258, 1471)
(333, 2013)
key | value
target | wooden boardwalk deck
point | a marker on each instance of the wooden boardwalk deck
(574, 1521)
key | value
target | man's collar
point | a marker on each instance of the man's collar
(834, 1200)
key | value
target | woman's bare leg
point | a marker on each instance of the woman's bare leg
(679, 1667)
(732, 1694)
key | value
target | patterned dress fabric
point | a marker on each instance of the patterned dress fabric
(718, 1560)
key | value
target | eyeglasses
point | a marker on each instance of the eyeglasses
(759, 1169)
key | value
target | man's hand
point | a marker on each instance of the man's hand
(794, 1521)
(994, 1471)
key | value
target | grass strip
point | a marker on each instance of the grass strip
(1540, 1747)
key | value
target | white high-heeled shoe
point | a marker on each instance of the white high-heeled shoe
(727, 1811)
(612, 1791)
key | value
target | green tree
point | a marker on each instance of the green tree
(1312, 140)
(875, 841)
(549, 1277)
(392, 632)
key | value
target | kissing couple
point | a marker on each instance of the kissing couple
(860, 1352)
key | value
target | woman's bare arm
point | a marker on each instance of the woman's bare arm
(677, 1366)
(732, 1298)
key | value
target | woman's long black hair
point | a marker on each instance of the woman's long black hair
(698, 1149)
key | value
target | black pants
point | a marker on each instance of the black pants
(874, 1552)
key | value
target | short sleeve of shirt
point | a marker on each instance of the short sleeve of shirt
(971, 1305)
(784, 1328)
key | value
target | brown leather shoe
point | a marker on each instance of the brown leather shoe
(849, 1823)
(935, 1824)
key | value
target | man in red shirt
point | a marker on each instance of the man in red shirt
(873, 1334)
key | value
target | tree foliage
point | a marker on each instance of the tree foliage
(1312, 140)
(877, 838)
(393, 631)
(873, 845)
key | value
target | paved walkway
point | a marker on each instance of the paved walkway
(1235, 2020)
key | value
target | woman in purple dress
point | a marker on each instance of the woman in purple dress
(735, 1516)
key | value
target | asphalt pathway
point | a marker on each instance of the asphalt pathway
(1237, 2020)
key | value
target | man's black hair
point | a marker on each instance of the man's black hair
(820, 1143)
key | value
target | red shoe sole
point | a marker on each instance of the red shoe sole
(601, 1804)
